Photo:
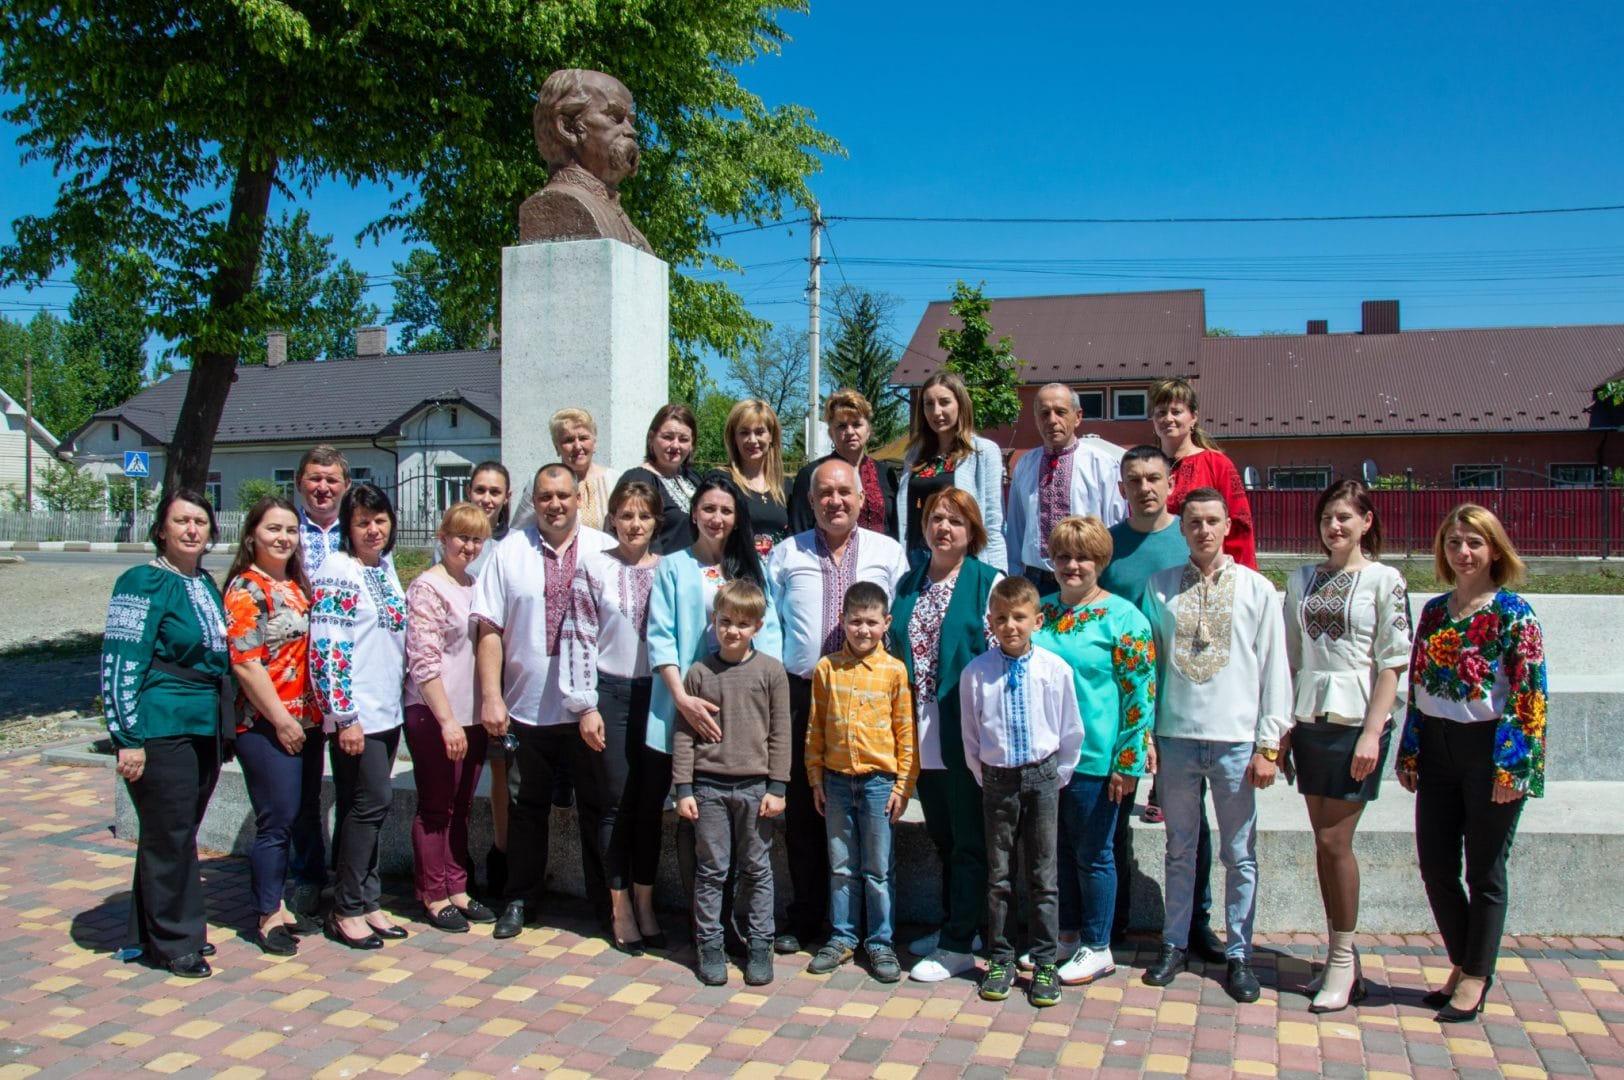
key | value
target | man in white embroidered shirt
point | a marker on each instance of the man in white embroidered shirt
(1224, 701)
(519, 603)
(1066, 476)
(808, 574)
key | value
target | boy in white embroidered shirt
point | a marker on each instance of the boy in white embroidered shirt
(1022, 734)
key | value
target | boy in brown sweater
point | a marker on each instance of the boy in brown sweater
(732, 789)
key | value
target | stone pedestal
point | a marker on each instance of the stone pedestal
(585, 324)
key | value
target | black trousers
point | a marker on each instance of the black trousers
(363, 794)
(632, 784)
(167, 910)
(307, 851)
(1455, 812)
(531, 775)
(1201, 914)
(806, 840)
(1021, 807)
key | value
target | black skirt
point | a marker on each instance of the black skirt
(1322, 754)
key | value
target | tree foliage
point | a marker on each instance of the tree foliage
(171, 122)
(65, 486)
(253, 489)
(862, 355)
(710, 450)
(56, 396)
(106, 337)
(437, 307)
(318, 299)
(776, 371)
(989, 368)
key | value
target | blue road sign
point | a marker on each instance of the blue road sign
(136, 463)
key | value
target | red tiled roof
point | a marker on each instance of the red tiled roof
(1506, 379)
(1100, 337)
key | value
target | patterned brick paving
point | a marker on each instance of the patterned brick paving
(555, 1002)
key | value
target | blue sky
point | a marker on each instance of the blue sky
(1182, 110)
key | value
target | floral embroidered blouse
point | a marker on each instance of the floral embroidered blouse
(1343, 629)
(357, 644)
(440, 644)
(1488, 667)
(157, 614)
(1112, 655)
(269, 621)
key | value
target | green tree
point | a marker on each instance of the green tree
(171, 122)
(1221, 331)
(862, 356)
(318, 299)
(776, 371)
(56, 393)
(711, 413)
(989, 368)
(106, 335)
(121, 493)
(253, 489)
(437, 307)
(66, 486)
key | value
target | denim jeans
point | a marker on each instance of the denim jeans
(859, 855)
(1087, 856)
(1019, 807)
(1184, 764)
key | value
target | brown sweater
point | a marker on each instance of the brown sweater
(754, 700)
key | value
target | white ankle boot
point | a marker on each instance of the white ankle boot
(1342, 984)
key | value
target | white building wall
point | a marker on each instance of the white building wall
(15, 437)
(436, 451)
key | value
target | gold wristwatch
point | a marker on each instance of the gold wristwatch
(1268, 753)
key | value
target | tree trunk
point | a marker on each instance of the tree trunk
(213, 371)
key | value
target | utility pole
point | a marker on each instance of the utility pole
(815, 299)
(28, 432)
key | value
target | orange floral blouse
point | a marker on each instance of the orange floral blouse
(268, 621)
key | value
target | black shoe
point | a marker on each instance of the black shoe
(882, 961)
(206, 950)
(1169, 962)
(830, 957)
(564, 794)
(511, 921)
(475, 912)
(759, 970)
(712, 966)
(1437, 999)
(1205, 946)
(496, 873)
(190, 966)
(306, 899)
(1451, 1015)
(336, 933)
(390, 932)
(999, 979)
(449, 919)
(785, 944)
(1044, 990)
(656, 941)
(277, 941)
(633, 947)
(1241, 983)
(301, 924)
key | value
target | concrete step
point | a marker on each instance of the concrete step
(1567, 869)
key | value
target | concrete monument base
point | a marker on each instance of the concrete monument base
(585, 324)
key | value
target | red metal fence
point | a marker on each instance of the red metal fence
(1540, 521)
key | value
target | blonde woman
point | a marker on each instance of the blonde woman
(755, 458)
(944, 451)
(575, 437)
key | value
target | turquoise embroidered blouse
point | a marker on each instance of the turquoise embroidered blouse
(1112, 655)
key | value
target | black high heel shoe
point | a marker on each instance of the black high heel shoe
(1451, 1015)
(336, 933)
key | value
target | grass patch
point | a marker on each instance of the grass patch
(71, 647)
(1602, 581)
(410, 562)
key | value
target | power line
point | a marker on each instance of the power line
(1437, 215)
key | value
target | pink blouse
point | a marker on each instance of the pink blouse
(440, 643)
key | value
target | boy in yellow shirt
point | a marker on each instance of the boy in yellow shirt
(861, 765)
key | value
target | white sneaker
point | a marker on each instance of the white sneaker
(1063, 952)
(925, 945)
(1086, 966)
(942, 965)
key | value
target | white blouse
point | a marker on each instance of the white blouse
(357, 644)
(1343, 629)
(606, 627)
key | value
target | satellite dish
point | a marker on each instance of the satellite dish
(1368, 471)
(1249, 477)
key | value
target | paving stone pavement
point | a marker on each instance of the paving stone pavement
(558, 1002)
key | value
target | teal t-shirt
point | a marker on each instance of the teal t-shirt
(1136, 556)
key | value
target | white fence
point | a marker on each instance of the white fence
(97, 526)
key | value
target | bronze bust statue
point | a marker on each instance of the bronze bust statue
(585, 130)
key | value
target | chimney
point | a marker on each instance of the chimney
(1379, 317)
(1318, 326)
(371, 341)
(276, 348)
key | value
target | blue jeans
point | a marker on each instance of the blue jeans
(859, 833)
(1087, 859)
(1184, 764)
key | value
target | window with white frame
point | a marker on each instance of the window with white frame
(1478, 476)
(451, 483)
(212, 492)
(283, 479)
(1300, 478)
(1091, 403)
(360, 474)
(1573, 476)
(1130, 404)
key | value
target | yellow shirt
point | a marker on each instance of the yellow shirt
(862, 719)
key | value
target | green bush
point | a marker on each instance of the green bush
(253, 489)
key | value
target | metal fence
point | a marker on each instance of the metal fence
(1540, 521)
(97, 526)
